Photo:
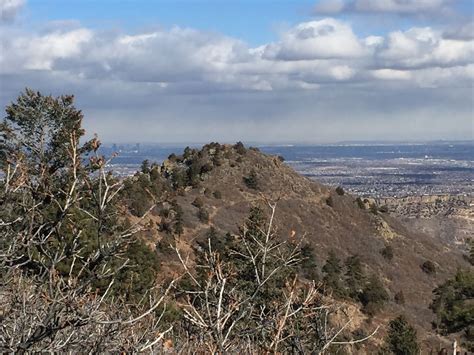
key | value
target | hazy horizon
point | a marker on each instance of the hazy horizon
(292, 143)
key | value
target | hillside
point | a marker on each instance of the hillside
(229, 180)
(444, 217)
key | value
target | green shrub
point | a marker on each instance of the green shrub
(383, 209)
(178, 227)
(198, 202)
(428, 267)
(374, 209)
(330, 201)
(136, 194)
(165, 246)
(387, 252)
(173, 158)
(399, 297)
(340, 191)
(164, 212)
(240, 148)
(141, 274)
(251, 181)
(206, 167)
(165, 226)
(203, 215)
(217, 161)
(374, 296)
(360, 203)
(179, 178)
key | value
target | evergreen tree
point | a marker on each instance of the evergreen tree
(179, 178)
(453, 306)
(401, 338)
(333, 274)
(145, 167)
(308, 265)
(178, 227)
(355, 276)
(374, 295)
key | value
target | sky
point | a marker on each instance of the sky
(308, 71)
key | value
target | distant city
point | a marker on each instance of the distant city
(376, 170)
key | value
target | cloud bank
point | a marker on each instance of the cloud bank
(318, 77)
(308, 56)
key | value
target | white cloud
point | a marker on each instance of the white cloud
(424, 47)
(373, 41)
(327, 38)
(42, 52)
(9, 9)
(342, 72)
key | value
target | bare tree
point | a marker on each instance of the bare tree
(227, 314)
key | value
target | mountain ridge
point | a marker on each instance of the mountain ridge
(329, 219)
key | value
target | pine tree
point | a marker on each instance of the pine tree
(452, 304)
(374, 295)
(355, 276)
(308, 265)
(332, 274)
(145, 167)
(178, 219)
(401, 338)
